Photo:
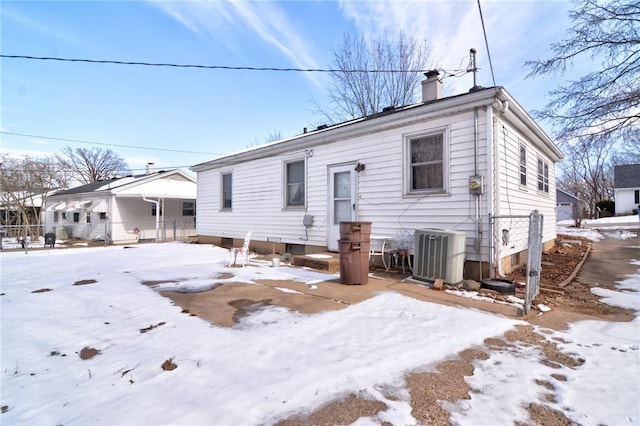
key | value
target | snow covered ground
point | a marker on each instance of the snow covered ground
(275, 362)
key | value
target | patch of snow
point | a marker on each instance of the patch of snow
(275, 362)
(287, 290)
(620, 235)
(542, 307)
(319, 256)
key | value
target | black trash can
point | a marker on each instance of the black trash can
(49, 239)
(354, 245)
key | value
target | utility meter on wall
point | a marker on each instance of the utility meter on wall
(475, 185)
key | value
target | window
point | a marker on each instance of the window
(64, 215)
(76, 217)
(523, 165)
(103, 215)
(543, 176)
(226, 191)
(188, 208)
(426, 168)
(636, 196)
(295, 183)
(154, 207)
(88, 217)
(56, 216)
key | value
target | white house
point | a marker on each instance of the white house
(626, 187)
(158, 205)
(444, 163)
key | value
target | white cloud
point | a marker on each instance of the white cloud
(517, 31)
(267, 20)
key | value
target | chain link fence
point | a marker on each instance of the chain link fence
(513, 237)
(96, 232)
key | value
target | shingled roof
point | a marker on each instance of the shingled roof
(626, 176)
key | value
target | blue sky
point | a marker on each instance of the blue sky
(222, 111)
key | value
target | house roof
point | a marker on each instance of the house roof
(566, 194)
(626, 176)
(115, 184)
(393, 117)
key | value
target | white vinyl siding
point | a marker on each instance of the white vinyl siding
(381, 187)
(388, 195)
(510, 199)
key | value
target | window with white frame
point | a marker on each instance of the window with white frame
(226, 191)
(523, 165)
(426, 163)
(295, 181)
(188, 208)
(543, 176)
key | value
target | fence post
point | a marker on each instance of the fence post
(175, 226)
(490, 246)
(534, 259)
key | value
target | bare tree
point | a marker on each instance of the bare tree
(628, 151)
(92, 165)
(605, 101)
(393, 76)
(24, 184)
(587, 172)
(273, 136)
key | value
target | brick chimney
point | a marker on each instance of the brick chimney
(431, 87)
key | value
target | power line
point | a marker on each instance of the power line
(110, 144)
(486, 42)
(216, 67)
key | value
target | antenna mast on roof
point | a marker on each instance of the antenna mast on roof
(474, 69)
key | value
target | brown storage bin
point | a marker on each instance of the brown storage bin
(355, 231)
(354, 262)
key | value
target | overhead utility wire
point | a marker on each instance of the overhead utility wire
(486, 42)
(220, 67)
(110, 144)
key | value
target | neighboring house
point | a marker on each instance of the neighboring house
(626, 188)
(443, 163)
(11, 203)
(567, 206)
(153, 206)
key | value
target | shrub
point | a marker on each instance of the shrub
(607, 205)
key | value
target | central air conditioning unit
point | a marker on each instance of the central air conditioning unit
(439, 253)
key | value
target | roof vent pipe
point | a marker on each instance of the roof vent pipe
(151, 168)
(431, 87)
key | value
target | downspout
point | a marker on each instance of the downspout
(307, 221)
(157, 203)
(108, 230)
(164, 224)
(503, 107)
(490, 172)
(477, 198)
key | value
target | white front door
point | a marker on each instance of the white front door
(341, 202)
